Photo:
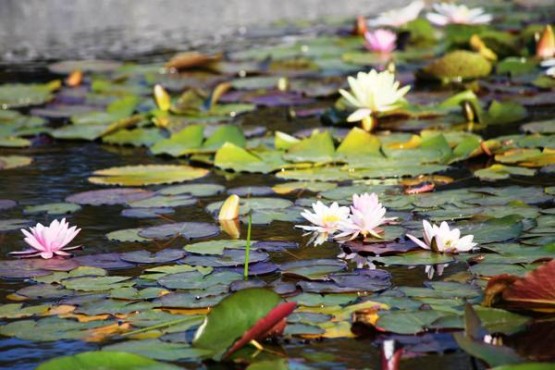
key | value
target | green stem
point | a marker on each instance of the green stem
(248, 248)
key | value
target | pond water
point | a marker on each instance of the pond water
(504, 198)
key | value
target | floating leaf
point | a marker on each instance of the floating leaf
(459, 64)
(14, 161)
(53, 208)
(189, 230)
(105, 360)
(109, 196)
(166, 255)
(245, 315)
(147, 175)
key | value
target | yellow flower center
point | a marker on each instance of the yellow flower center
(328, 219)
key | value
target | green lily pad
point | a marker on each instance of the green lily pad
(14, 161)
(105, 360)
(147, 175)
(53, 208)
(157, 349)
(458, 65)
(24, 95)
(126, 235)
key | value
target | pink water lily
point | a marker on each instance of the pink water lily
(457, 14)
(442, 239)
(380, 40)
(367, 215)
(48, 241)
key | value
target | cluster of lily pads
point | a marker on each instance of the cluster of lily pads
(467, 166)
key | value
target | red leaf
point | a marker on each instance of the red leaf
(272, 324)
(535, 291)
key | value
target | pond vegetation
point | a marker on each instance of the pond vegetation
(376, 195)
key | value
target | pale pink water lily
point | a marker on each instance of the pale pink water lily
(373, 92)
(367, 215)
(398, 17)
(48, 241)
(380, 40)
(325, 220)
(442, 239)
(446, 13)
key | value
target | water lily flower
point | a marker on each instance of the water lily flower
(431, 270)
(325, 220)
(367, 214)
(550, 65)
(47, 241)
(545, 47)
(399, 17)
(442, 239)
(457, 14)
(373, 92)
(380, 40)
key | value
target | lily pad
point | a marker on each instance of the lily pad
(189, 230)
(53, 208)
(105, 360)
(147, 175)
(109, 196)
(459, 64)
(166, 255)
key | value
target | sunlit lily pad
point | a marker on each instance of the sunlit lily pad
(14, 161)
(157, 349)
(23, 95)
(159, 201)
(126, 235)
(146, 175)
(196, 190)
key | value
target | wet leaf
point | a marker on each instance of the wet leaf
(147, 175)
(53, 208)
(189, 230)
(105, 360)
(243, 316)
(109, 196)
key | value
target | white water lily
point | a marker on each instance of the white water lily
(373, 92)
(398, 17)
(457, 14)
(431, 270)
(367, 215)
(325, 220)
(550, 65)
(442, 239)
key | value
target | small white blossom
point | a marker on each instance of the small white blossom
(446, 13)
(443, 240)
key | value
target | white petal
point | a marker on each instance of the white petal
(359, 115)
(419, 242)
